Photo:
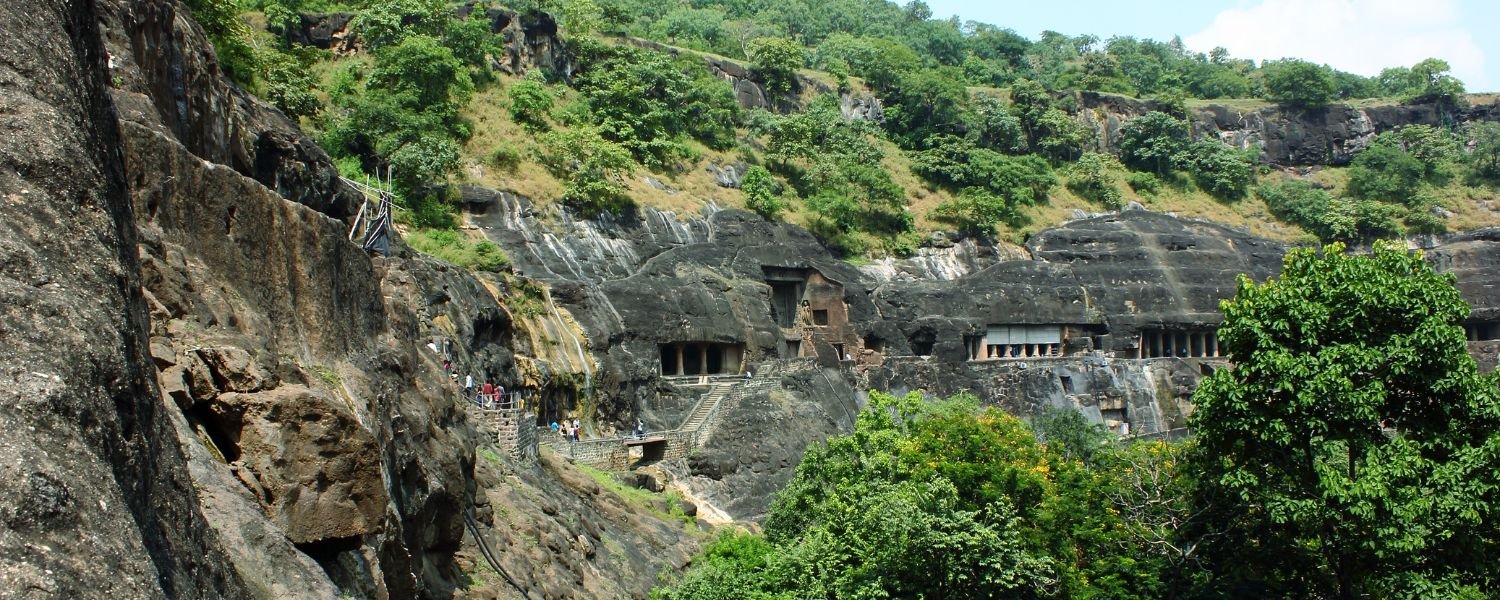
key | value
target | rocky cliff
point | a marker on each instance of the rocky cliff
(215, 393)
(1286, 136)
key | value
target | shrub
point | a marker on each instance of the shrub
(1153, 142)
(449, 245)
(1146, 184)
(530, 103)
(288, 85)
(1090, 178)
(505, 157)
(1220, 170)
(594, 168)
(762, 193)
(1385, 171)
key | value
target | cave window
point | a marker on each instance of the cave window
(1067, 384)
(691, 360)
(874, 344)
(820, 317)
(793, 348)
(838, 351)
(715, 360)
(784, 298)
(921, 347)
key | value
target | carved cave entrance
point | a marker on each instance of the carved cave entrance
(1164, 343)
(701, 358)
(787, 286)
(1016, 341)
(1481, 331)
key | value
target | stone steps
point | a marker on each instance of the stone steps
(706, 405)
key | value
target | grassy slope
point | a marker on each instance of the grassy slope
(692, 187)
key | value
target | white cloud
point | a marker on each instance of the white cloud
(1359, 36)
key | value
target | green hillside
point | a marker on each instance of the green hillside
(978, 132)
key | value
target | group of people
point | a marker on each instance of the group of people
(490, 395)
(570, 430)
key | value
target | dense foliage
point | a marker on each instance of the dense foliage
(947, 500)
(978, 125)
(1350, 451)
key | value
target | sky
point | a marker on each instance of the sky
(1359, 36)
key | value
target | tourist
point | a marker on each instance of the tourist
(468, 384)
(488, 391)
(554, 427)
(577, 430)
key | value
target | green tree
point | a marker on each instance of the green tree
(1298, 83)
(1218, 169)
(422, 68)
(762, 193)
(530, 102)
(925, 103)
(1090, 178)
(1153, 141)
(1430, 82)
(990, 124)
(288, 84)
(1386, 171)
(388, 22)
(594, 168)
(1351, 449)
(1484, 158)
(776, 61)
(230, 36)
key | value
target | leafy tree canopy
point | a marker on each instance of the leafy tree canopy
(1352, 449)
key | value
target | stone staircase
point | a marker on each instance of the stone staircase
(707, 406)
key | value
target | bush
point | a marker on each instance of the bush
(1153, 142)
(955, 162)
(762, 193)
(776, 61)
(505, 157)
(1386, 171)
(1146, 184)
(1305, 205)
(1220, 170)
(1423, 221)
(1298, 83)
(1090, 178)
(429, 211)
(1484, 158)
(593, 167)
(978, 211)
(288, 85)
(530, 103)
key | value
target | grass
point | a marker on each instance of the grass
(639, 498)
(692, 187)
(466, 249)
(328, 376)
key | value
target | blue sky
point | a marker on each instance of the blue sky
(1360, 36)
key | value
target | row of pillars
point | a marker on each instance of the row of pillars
(699, 359)
(1156, 343)
(998, 351)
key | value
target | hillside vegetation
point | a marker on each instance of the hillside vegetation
(978, 132)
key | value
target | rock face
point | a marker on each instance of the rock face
(95, 494)
(1329, 135)
(167, 79)
(1116, 315)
